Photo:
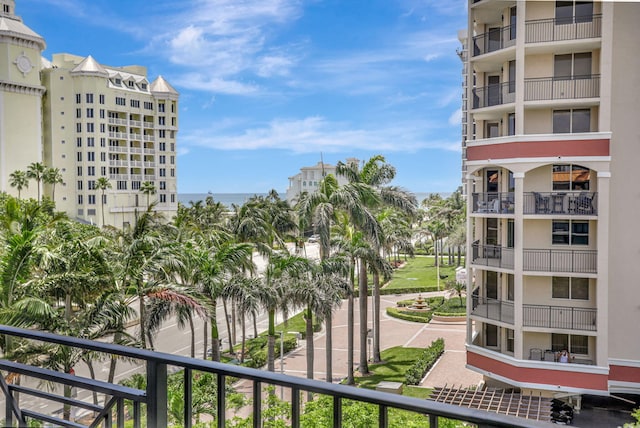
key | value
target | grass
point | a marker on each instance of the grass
(420, 272)
(453, 305)
(397, 361)
(416, 391)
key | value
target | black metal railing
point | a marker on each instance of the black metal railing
(493, 309)
(564, 317)
(552, 260)
(494, 95)
(565, 203)
(492, 255)
(494, 39)
(493, 202)
(562, 88)
(155, 396)
(573, 28)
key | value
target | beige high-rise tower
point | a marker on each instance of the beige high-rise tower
(20, 96)
(552, 152)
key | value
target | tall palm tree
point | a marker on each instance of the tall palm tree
(102, 184)
(19, 180)
(53, 176)
(36, 171)
(148, 188)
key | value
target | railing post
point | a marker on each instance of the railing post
(188, 402)
(156, 394)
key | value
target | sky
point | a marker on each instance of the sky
(270, 86)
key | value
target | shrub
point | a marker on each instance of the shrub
(409, 316)
(431, 354)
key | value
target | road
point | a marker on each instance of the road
(170, 339)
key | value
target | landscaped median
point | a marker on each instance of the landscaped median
(438, 308)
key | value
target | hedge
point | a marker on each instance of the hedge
(406, 316)
(257, 349)
(450, 314)
(419, 368)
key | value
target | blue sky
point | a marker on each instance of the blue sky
(268, 85)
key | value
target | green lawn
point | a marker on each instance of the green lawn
(420, 272)
(397, 361)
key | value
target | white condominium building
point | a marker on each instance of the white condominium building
(552, 145)
(309, 178)
(91, 121)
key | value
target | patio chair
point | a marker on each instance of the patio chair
(584, 203)
(542, 203)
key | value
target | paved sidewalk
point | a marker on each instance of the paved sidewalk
(449, 370)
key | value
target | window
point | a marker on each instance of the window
(492, 130)
(162, 172)
(135, 103)
(510, 287)
(92, 199)
(104, 199)
(91, 156)
(173, 172)
(147, 104)
(91, 170)
(102, 128)
(512, 76)
(6, 8)
(511, 124)
(78, 127)
(510, 340)
(89, 98)
(91, 142)
(570, 288)
(172, 160)
(576, 65)
(103, 170)
(163, 185)
(101, 98)
(78, 98)
(172, 147)
(571, 177)
(162, 133)
(90, 127)
(78, 113)
(491, 335)
(173, 121)
(161, 107)
(163, 198)
(143, 86)
(79, 172)
(567, 10)
(79, 185)
(101, 113)
(122, 185)
(161, 120)
(163, 159)
(79, 142)
(103, 157)
(121, 101)
(573, 343)
(577, 120)
(173, 198)
(80, 200)
(103, 142)
(89, 112)
(163, 147)
(79, 156)
(130, 83)
(135, 185)
(570, 232)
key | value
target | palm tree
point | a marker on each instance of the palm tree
(148, 188)
(103, 184)
(53, 176)
(19, 180)
(36, 171)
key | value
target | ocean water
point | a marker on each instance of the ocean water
(240, 198)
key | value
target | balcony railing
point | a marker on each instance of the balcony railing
(494, 39)
(562, 88)
(492, 255)
(553, 30)
(155, 394)
(552, 260)
(493, 202)
(494, 95)
(562, 317)
(493, 309)
(563, 203)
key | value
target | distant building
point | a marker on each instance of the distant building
(309, 178)
(552, 239)
(89, 120)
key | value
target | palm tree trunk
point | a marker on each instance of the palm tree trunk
(102, 206)
(234, 321)
(215, 340)
(271, 341)
(193, 337)
(309, 333)
(92, 373)
(205, 340)
(143, 339)
(329, 346)
(226, 319)
(255, 325)
(244, 336)
(376, 317)
(362, 296)
(350, 325)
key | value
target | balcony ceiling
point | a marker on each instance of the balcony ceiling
(490, 10)
(563, 46)
(493, 61)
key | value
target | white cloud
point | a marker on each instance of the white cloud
(456, 117)
(313, 134)
(214, 84)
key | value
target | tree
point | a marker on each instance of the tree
(148, 188)
(19, 180)
(458, 287)
(36, 171)
(53, 176)
(102, 184)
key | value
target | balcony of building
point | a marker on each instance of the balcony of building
(495, 256)
(149, 406)
(493, 203)
(559, 317)
(494, 95)
(553, 260)
(117, 121)
(492, 309)
(563, 29)
(561, 203)
(564, 88)
(495, 39)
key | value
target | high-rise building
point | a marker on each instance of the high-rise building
(309, 178)
(92, 122)
(553, 250)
